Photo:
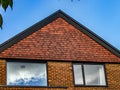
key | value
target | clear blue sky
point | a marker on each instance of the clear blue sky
(100, 16)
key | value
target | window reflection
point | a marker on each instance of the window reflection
(28, 74)
(78, 74)
(94, 75)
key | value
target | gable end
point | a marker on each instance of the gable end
(51, 18)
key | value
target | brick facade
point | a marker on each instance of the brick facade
(61, 43)
(60, 75)
(2, 72)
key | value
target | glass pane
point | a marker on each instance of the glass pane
(94, 75)
(78, 74)
(28, 74)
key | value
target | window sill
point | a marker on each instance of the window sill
(12, 86)
(90, 85)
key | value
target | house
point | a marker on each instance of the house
(58, 53)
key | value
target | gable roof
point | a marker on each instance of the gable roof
(51, 18)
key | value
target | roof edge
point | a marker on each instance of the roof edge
(58, 60)
(90, 33)
(51, 18)
(29, 31)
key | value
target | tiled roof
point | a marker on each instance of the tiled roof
(59, 37)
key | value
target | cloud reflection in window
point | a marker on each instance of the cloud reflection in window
(26, 74)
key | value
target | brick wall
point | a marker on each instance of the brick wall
(2, 72)
(60, 75)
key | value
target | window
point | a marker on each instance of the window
(26, 74)
(89, 75)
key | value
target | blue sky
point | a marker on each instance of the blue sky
(100, 16)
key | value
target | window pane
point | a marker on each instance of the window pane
(94, 75)
(28, 74)
(78, 74)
